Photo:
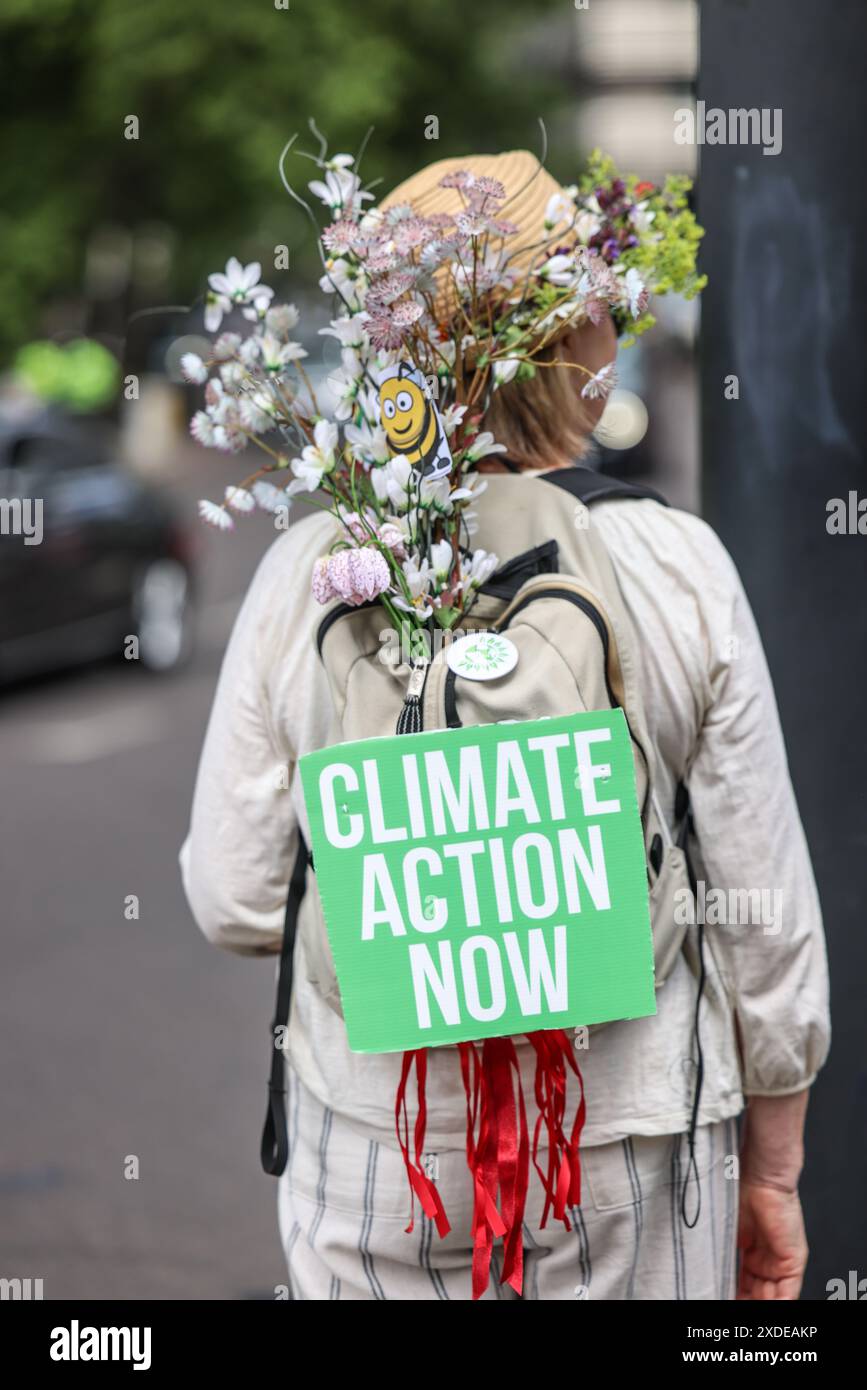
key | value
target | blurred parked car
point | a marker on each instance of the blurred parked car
(110, 558)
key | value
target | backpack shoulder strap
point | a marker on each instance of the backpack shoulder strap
(589, 486)
(275, 1137)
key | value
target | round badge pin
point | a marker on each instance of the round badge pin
(482, 656)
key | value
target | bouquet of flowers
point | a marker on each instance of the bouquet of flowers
(432, 313)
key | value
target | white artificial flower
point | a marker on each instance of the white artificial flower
(216, 305)
(384, 360)
(229, 438)
(369, 442)
(573, 308)
(435, 494)
(202, 429)
(270, 498)
(372, 220)
(221, 405)
(349, 330)
(280, 319)
(193, 368)
(325, 440)
(259, 307)
(378, 479)
(316, 459)
(642, 217)
(238, 284)
(308, 474)
(587, 224)
(559, 270)
(254, 412)
(393, 483)
(453, 417)
(345, 382)
(226, 346)
(233, 375)
(343, 278)
(481, 567)
(441, 557)
(447, 351)
(340, 191)
(240, 500)
(636, 292)
(215, 515)
(419, 576)
(249, 351)
(277, 354)
(560, 208)
(473, 487)
(505, 369)
(482, 446)
(598, 386)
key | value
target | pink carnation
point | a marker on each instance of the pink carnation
(358, 575)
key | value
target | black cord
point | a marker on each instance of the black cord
(686, 826)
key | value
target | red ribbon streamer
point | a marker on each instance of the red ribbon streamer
(498, 1146)
(420, 1184)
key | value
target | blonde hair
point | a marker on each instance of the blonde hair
(543, 422)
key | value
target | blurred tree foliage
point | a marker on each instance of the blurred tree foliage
(217, 87)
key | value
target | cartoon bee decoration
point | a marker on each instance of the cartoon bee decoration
(412, 423)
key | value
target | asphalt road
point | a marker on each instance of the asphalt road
(123, 1038)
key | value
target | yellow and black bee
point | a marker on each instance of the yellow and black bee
(412, 422)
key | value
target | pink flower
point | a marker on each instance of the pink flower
(323, 589)
(461, 178)
(391, 536)
(483, 188)
(406, 313)
(390, 287)
(415, 231)
(341, 236)
(355, 526)
(596, 310)
(383, 332)
(358, 575)
(380, 258)
(489, 188)
(502, 226)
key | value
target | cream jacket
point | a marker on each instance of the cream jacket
(713, 719)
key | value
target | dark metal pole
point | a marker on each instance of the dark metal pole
(784, 314)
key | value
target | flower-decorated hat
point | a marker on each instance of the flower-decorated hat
(536, 212)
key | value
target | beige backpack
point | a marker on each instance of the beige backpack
(558, 599)
(575, 652)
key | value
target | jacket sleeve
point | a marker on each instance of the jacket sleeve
(772, 956)
(237, 859)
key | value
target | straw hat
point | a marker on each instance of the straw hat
(529, 188)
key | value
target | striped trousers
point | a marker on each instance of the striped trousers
(344, 1204)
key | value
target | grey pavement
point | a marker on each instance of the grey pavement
(127, 1038)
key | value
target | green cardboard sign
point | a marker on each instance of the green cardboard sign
(484, 881)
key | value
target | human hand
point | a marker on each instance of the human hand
(772, 1241)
